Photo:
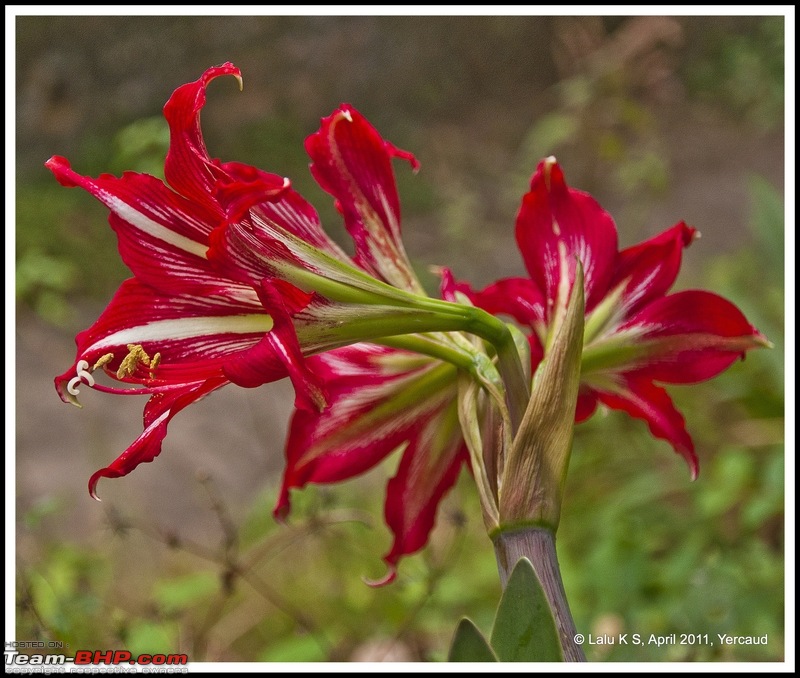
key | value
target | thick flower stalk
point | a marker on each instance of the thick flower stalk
(635, 334)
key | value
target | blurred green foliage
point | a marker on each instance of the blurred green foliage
(742, 70)
(643, 549)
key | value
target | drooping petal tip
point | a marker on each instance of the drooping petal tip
(548, 167)
(388, 578)
(761, 340)
(246, 186)
(102, 473)
(62, 388)
(282, 506)
(694, 467)
(60, 168)
(223, 69)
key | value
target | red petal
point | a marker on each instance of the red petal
(157, 414)
(369, 416)
(194, 336)
(586, 406)
(189, 169)
(428, 470)
(643, 400)
(276, 207)
(554, 214)
(163, 238)
(518, 298)
(694, 335)
(352, 162)
(245, 186)
(650, 268)
(279, 346)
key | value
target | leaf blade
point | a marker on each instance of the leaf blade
(524, 629)
(469, 645)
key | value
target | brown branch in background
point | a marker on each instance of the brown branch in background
(233, 564)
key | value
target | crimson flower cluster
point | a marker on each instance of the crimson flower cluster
(235, 281)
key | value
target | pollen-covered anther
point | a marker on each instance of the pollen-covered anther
(82, 375)
(130, 363)
(154, 363)
(103, 361)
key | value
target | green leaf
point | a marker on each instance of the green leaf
(524, 629)
(469, 645)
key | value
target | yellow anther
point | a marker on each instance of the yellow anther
(154, 363)
(130, 363)
(103, 360)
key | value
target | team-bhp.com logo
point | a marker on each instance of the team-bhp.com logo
(94, 657)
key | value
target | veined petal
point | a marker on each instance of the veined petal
(352, 162)
(145, 338)
(189, 169)
(377, 396)
(649, 269)
(518, 298)
(280, 346)
(644, 400)
(163, 237)
(428, 470)
(279, 208)
(158, 412)
(555, 225)
(689, 337)
(259, 246)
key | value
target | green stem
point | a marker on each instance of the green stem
(538, 545)
(364, 289)
(424, 345)
(518, 390)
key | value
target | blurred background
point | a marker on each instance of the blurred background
(660, 118)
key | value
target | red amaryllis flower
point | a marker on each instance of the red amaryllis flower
(636, 335)
(219, 256)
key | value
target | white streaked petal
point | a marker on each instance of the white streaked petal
(186, 328)
(152, 228)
